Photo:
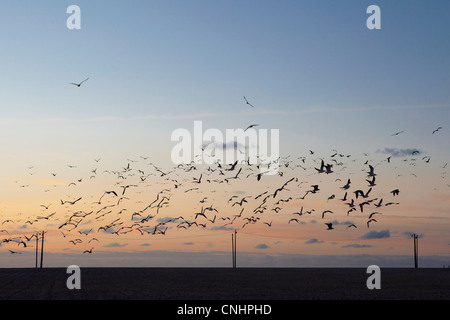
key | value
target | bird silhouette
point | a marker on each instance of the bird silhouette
(436, 130)
(251, 126)
(248, 103)
(79, 84)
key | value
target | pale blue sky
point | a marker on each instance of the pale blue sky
(152, 57)
(310, 67)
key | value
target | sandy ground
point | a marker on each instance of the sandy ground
(224, 284)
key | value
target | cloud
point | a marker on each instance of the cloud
(357, 245)
(115, 245)
(262, 246)
(344, 223)
(223, 228)
(409, 234)
(188, 243)
(314, 240)
(145, 245)
(377, 235)
(225, 145)
(397, 152)
(163, 220)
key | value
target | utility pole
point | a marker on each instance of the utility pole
(42, 248)
(232, 249)
(235, 240)
(416, 250)
(37, 248)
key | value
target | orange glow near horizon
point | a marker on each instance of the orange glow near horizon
(30, 201)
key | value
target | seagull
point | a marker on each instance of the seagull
(347, 186)
(361, 193)
(326, 211)
(329, 225)
(371, 183)
(126, 187)
(248, 102)
(362, 204)
(46, 217)
(395, 192)
(437, 130)
(391, 203)
(70, 202)
(372, 214)
(281, 188)
(371, 172)
(379, 203)
(351, 225)
(370, 221)
(397, 133)
(300, 213)
(322, 166)
(79, 84)
(351, 204)
(251, 126)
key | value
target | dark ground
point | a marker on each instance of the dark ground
(224, 284)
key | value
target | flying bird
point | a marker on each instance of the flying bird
(329, 225)
(326, 211)
(251, 126)
(397, 133)
(70, 202)
(347, 186)
(246, 101)
(436, 130)
(372, 214)
(369, 221)
(371, 173)
(79, 84)
(379, 203)
(371, 183)
(362, 194)
(46, 217)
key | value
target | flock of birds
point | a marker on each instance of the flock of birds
(143, 199)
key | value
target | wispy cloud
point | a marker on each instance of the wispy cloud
(376, 234)
(222, 228)
(409, 234)
(115, 245)
(313, 241)
(207, 114)
(357, 245)
(262, 246)
(397, 152)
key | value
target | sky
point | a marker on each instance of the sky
(310, 69)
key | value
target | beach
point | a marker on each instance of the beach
(256, 284)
